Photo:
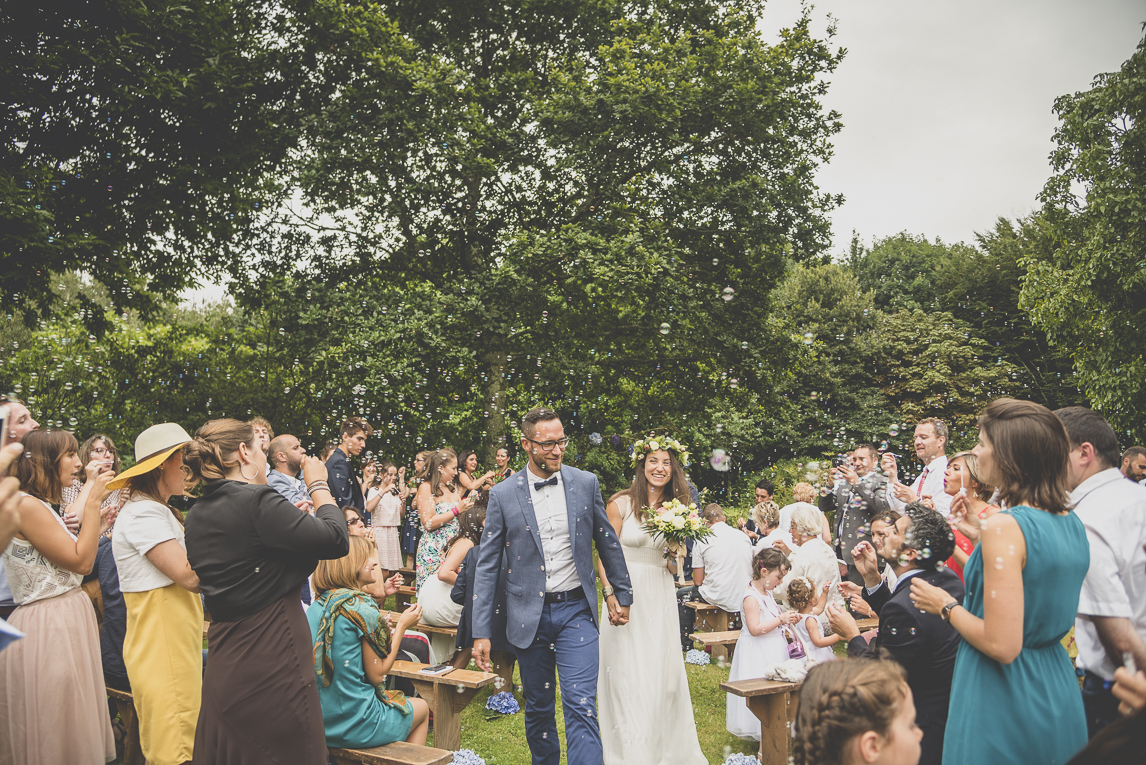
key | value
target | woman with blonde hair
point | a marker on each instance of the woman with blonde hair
(970, 506)
(53, 706)
(163, 645)
(803, 494)
(353, 650)
(252, 550)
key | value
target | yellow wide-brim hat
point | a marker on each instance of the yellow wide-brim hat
(152, 448)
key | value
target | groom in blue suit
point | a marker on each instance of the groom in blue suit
(543, 521)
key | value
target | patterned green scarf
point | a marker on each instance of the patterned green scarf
(356, 606)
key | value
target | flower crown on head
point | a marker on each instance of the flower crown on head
(654, 443)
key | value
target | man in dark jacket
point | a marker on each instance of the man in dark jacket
(345, 486)
(924, 644)
(859, 494)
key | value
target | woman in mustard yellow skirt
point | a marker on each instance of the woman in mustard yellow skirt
(163, 648)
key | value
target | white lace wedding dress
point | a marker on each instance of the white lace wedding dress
(642, 691)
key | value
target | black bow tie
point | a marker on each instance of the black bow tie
(539, 485)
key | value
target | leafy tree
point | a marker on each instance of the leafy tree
(1089, 291)
(532, 173)
(899, 270)
(135, 142)
(931, 366)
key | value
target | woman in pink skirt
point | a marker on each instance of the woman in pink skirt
(387, 517)
(53, 705)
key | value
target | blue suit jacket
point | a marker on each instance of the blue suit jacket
(511, 534)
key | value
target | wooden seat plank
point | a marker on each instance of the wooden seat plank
(125, 705)
(398, 753)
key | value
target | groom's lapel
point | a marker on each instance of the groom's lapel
(567, 481)
(524, 478)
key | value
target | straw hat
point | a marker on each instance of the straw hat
(152, 448)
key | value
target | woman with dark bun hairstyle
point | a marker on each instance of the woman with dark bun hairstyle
(252, 551)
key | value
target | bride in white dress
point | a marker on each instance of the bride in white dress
(642, 691)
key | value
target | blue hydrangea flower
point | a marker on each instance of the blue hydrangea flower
(735, 759)
(595, 439)
(503, 703)
(697, 657)
(467, 757)
(615, 440)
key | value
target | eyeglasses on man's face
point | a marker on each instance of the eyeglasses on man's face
(548, 446)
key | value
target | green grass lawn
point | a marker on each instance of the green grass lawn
(501, 741)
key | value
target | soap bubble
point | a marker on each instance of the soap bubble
(665, 328)
(808, 338)
(727, 293)
(893, 430)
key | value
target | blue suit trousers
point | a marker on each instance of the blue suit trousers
(566, 641)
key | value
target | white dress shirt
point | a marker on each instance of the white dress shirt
(928, 484)
(1114, 513)
(553, 526)
(726, 559)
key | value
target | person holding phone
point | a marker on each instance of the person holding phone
(53, 708)
(354, 647)
(101, 448)
(16, 421)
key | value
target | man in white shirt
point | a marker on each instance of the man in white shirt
(1111, 622)
(930, 447)
(1134, 464)
(721, 569)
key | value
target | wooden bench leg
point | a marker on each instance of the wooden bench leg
(132, 751)
(775, 734)
(447, 703)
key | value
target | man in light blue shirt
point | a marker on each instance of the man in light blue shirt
(285, 455)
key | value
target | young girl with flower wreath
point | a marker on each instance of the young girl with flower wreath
(643, 700)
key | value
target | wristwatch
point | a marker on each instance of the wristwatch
(608, 590)
(946, 612)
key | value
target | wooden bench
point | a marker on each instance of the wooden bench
(774, 703)
(404, 596)
(447, 696)
(710, 618)
(721, 643)
(408, 576)
(398, 753)
(132, 752)
(871, 623)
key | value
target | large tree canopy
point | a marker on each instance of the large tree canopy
(642, 171)
(1089, 292)
(135, 141)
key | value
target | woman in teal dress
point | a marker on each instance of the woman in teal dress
(1014, 695)
(439, 502)
(353, 651)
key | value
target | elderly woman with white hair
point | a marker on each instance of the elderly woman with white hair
(813, 557)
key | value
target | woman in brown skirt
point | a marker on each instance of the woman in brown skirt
(252, 551)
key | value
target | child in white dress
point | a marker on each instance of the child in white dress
(762, 644)
(802, 597)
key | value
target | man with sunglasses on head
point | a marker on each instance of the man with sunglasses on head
(540, 527)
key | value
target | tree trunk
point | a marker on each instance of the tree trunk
(493, 393)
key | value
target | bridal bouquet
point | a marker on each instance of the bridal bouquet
(677, 523)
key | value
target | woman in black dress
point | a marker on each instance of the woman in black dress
(252, 550)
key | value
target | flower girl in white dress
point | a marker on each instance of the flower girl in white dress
(802, 597)
(762, 644)
(643, 701)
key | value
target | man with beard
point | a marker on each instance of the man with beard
(924, 644)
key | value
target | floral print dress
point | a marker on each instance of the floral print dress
(432, 546)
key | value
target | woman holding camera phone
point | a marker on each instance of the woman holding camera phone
(51, 682)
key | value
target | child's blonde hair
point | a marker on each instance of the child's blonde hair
(801, 592)
(840, 700)
(343, 572)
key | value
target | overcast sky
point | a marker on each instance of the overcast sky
(947, 106)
